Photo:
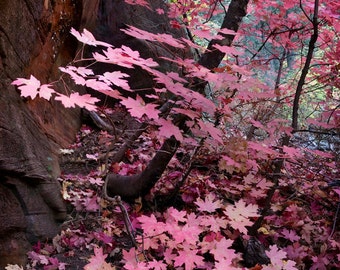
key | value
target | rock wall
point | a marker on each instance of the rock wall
(33, 40)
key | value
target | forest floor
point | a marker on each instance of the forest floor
(84, 166)
(93, 221)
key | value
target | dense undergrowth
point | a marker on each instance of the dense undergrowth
(197, 216)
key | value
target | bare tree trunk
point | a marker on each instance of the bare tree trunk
(278, 164)
(305, 69)
(138, 185)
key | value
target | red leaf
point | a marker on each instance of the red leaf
(209, 204)
(29, 88)
(168, 129)
(87, 38)
(97, 262)
(138, 108)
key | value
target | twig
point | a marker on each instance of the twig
(127, 222)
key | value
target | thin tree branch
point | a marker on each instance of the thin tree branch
(305, 69)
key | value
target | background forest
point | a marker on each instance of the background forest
(225, 157)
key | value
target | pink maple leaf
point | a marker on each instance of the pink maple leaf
(97, 85)
(189, 258)
(29, 87)
(184, 234)
(32, 87)
(278, 260)
(83, 101)
(168, 129)
(70, 70)
(91, 204)
(163, 38)
(214, 223)
(45, 91)
(222, 251)
(240, 213)
(290, 235)
(129, 256)
(160, 11)
(227, 49)
(214, 132)
(150, 225)
(156, 265)
(178, 216)
(83, 71)
(209, 204)
(276, 255)
(138, 108)
(86, 37)
(116, 78)
(65, 100)
(97, 262)
(227, 31)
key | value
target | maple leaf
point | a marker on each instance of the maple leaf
(185, 234)
(138, 108)
(189, 258)
(38, 258)
(156, 265)
(222, 251)
(168, 129)
(214, 132)
(206, 33)
(86, 37)
(29, 87)
(97, 261)
(151, 226)
(97, 85)
(83, 101)
(65, 100)
(209, 204)
(130, 258)
(163, 38)
(71, 70)
(290, 235)
(224, 264)
(227, 31)
(116, 78)
(45, 91)
(227, 49)
(91, 204)
(278, 261)
(160, 11)
(214, 223)
(178, 216)
(240, 213)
